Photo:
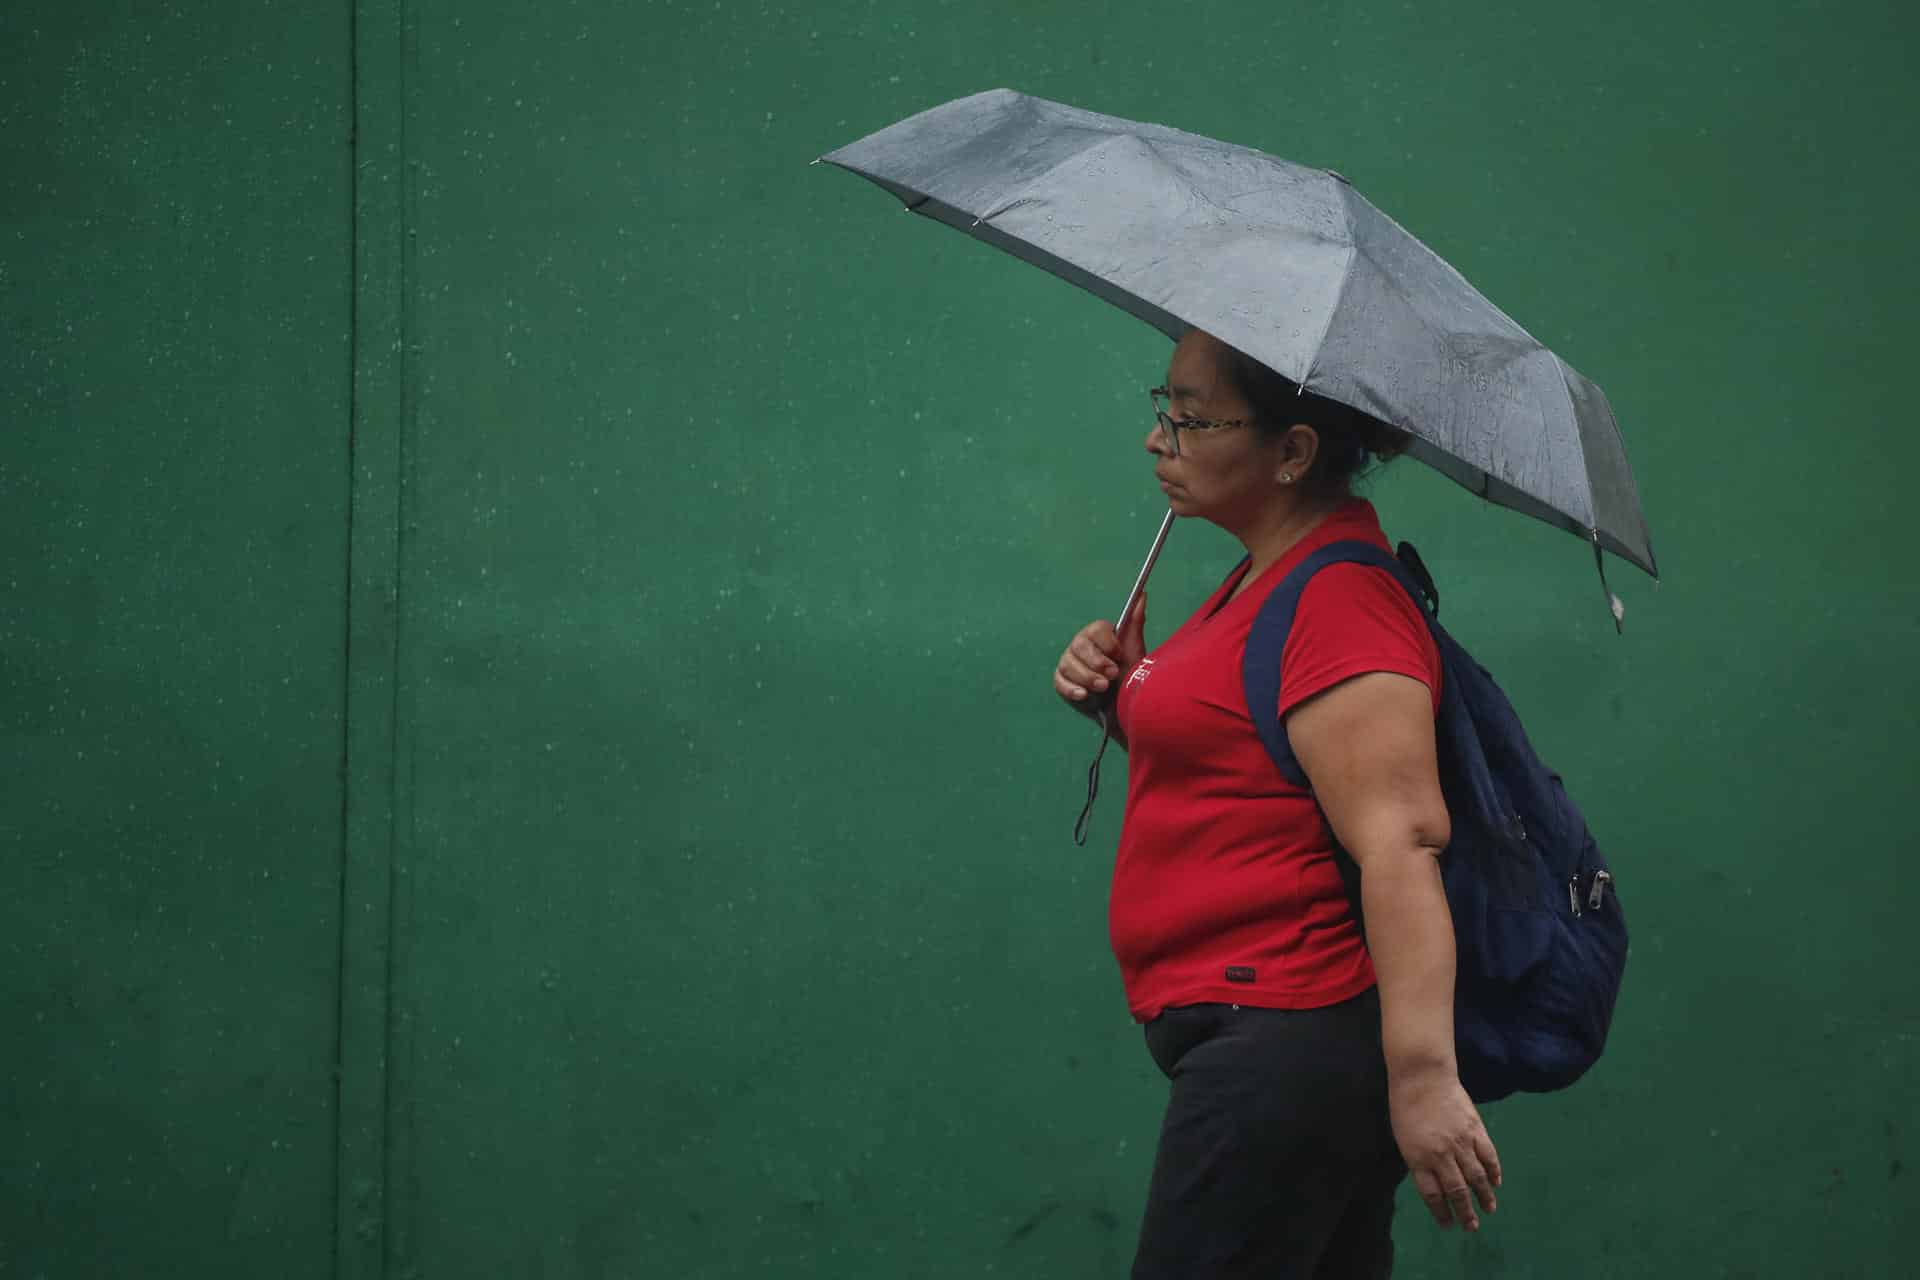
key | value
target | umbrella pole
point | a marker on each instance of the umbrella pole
(1140, 583)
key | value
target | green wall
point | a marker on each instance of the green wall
(175, 302)
(528, 613)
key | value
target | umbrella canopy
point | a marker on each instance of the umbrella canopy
(1290, 265)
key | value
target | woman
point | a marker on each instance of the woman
(1311, 1068)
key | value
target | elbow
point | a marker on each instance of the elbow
(1409, 839)
(1421, 828)
(1431, 833)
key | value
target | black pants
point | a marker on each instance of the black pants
(1276, 1157)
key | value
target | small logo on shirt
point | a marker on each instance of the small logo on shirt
(1141, 672)
(1239, 973)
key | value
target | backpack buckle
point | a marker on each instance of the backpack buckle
(1414, 565)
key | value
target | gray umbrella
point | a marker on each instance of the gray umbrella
(1289, 264)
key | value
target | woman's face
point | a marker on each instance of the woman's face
(1227, 476)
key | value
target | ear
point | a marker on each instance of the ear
(1299, 445)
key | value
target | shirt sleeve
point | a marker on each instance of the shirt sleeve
(1354, 619)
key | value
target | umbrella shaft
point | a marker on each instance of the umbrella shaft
(1140, 583)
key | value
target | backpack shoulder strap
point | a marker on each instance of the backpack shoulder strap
(1267, 641)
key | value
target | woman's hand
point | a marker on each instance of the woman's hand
(1445, 1145)
(1095, 657)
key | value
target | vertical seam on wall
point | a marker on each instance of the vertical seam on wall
(336, 1253)
(398, 1079)
(344, 1146)
(364, 1090)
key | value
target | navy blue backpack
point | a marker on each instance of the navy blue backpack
(1538, 930)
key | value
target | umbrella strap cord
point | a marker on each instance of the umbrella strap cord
(1614, 607)
(1093, 777)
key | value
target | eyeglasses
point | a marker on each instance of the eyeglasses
(1162, 401)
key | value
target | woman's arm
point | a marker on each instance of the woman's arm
(1367, 745)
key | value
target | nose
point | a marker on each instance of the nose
(1157, 442)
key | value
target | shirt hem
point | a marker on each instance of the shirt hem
(1353, 669)
(1256, 996)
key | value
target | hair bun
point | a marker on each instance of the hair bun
(1381, 440)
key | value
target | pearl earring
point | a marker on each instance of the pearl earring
(1286, 477)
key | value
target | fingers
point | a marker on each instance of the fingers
(1089, 664)
(1489, 1172)
(1089, 674)
(1433, 1197)
(1099, 638)
(1460, 1205)
(1096, 658)
(1076, 694)
(1479, 1165)
(1448, 1197)
(1449, 1188)
(1489, 1158)
(1483, 1192)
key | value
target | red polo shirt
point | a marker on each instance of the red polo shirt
(1224, 866)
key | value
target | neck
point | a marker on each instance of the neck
(1274, 532)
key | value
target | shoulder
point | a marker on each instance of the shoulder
(1354, 619)
(1349, 592)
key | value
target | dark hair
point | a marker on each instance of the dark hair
(1348, 438)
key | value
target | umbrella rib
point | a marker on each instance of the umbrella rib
(1340, 295)
(1021, 197)
(1593, 528)
(1586, 469)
